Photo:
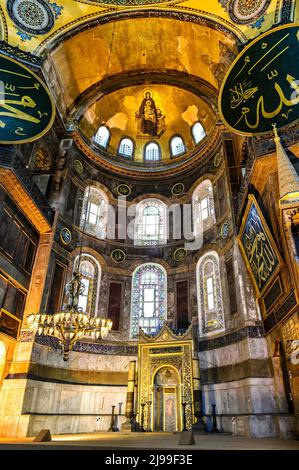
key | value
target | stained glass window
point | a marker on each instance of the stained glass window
(152, 152)
(203, 207)
(95, 211)
(210, 303)
(151, 223)
(126, 147)
(102, 136)
(149, 298)
(177, 146)
(198, 132)
(91, 271)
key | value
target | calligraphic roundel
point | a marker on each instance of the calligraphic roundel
(27, 110)
(262, 85)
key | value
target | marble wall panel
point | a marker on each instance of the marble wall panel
(248, 348)
(79, 361)
(255, 395)
(57, 398)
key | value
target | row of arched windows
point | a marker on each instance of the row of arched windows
(152, 151)
(151, 219)
(149, 294)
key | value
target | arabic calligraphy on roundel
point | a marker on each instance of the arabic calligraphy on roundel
(11, 111)
(26, 108)
(263, 83)
(239, 95)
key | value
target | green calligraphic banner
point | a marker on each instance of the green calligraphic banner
(258, 247)
(262, 85)
(27, 110)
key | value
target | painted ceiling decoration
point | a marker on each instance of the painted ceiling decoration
(177, 43)
(150, 120)
(246, 11)
(132, 3)
(33, 17)
(148, 113)
(35, 24)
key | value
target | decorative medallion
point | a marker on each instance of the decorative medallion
(224, 230)
(180, 254)
(217, 160)
(178, 188)
(247, 11)
(32, 16)
(65, 236)
(118, 256)
(78, 167)
(260, 89)
(27, 110)
(123, 190)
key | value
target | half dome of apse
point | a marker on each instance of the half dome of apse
(144, 114)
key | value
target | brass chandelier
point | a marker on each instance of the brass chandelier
(71, 324)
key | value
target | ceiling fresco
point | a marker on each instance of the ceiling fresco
(177, 111)
(34, 24)
(163, 45)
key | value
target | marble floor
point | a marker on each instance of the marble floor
(111, 441)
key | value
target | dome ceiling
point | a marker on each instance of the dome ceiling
(142, 45)
(177, 110)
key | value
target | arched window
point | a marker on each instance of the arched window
(102, 136)
(177, 146)
(198, 132)
(149, 298)
(203, 207)
(95, 211)
(151, 223)
(210, 302)
(152, 152)
(126, 147)
(91, 274)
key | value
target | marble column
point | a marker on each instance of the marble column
(129, 425)
(199, 426)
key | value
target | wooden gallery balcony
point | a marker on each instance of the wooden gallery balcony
(18, 182)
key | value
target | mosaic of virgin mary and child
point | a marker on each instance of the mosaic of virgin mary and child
(149, 119)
